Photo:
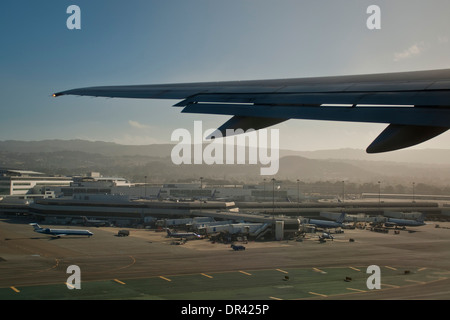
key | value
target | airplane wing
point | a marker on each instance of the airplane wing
(416, 105)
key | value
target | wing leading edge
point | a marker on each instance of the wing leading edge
(416, 105)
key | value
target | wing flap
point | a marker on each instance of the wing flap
(427, 98)
(436, 117)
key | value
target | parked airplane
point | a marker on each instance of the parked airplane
(61, 232)
(93, 222)
(392, 222)
(414, 104)
(328, 224)
(186, 235)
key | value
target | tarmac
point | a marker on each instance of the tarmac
(414, 265)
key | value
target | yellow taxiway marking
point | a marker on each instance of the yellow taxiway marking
(274, 298)
(206, 275)
(318, 270)
(358, 290)
(421, 269)
(118, 281)
(249, 274)
(281, 270)
(164, 278)
(70, 285)
(415, 281)
(15, 289)
(318, 294)
(356, 269)
(390, 285)
(392, 268)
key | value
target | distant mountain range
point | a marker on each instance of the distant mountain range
(423, 156)
(99, 147)
(72, 157)
(420, 156)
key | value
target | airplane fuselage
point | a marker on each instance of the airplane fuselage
(404, 222)
(62, 232)
(56, 232)
(325, 224)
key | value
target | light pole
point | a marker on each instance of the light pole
(414, 192)
(379, 192)
(343, 191)
(264, 196)
(201, 190)
(145, 187)
(298, 195)
(273, 205)
(273, 197)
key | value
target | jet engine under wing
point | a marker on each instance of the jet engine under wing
(415, 104)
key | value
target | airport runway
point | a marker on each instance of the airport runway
(28, 258)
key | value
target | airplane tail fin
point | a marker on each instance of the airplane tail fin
(421, 218)
(341, 218)
(35, 226)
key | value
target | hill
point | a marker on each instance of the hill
(77, 157)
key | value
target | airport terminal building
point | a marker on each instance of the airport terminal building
(92, 195)
(23, 182)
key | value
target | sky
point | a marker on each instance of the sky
(172, 41)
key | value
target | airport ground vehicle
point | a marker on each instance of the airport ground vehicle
(123, 233)
(237, 248)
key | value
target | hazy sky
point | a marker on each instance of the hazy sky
(146, 42)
